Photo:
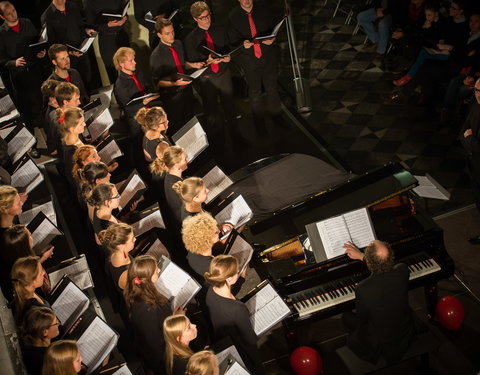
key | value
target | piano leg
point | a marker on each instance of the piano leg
(291, 336)
(431, 298)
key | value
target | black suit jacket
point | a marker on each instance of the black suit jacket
(385, 325)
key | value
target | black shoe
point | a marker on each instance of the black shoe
(474, 240)
(34, 153)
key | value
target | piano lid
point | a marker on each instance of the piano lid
(361, 191)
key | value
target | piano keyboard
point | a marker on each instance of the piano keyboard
(322, 297)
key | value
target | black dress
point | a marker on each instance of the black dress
(99, 224)
(230, 318)
(33, 358)
(115, 273)
(179, 365)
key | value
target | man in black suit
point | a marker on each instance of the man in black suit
(382, 325)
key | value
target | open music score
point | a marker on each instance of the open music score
(19, 139)
(216, 181)
(47, 208)
(76, 269)
(237, 213)
(192, 138)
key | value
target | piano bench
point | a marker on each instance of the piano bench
(422, 345)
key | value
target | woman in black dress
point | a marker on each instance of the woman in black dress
(229, 316)
(193, 193)
(104, 198)
(40, 326)
(148, 309)
(154, 124)
(93, 174)
(178, 332)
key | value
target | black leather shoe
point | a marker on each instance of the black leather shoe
(34, 153)
(475, 240)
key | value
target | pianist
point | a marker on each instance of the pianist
(382, 325)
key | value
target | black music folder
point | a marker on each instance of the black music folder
(95, 339)
(47, 208)
(43, 232)
(265, 306)
(116, 16)
(41, 45)
(149, 16)
(68, 302)
(99, 101)
(147, 219)
(220, 55)
(7, 107)
(25, 174)
(99, 124)
(149, 243)
(18, 137)
(175, 284)
(192, 76)
(274, 32)
(238, 247)
(132, 189)
(76, 269)
(108, 150)
(192, 138)
(86, 44)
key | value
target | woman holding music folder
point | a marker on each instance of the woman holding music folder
(84, 155)
(148, 309)
(40, 326)
(203, 363)
(93, 174)
(154, 124)
(230, 317)
(178, 332)
(62, 358)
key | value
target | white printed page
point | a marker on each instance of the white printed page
(20, 144)
(360, 227)
(236, 213)
(44, 234)
(186, 293)
(241, 250)
(266, 309)
(154, 220)
(100, 125)
(6, 106)
(135, 184)
(236, 369)
(171, 280)
(124, 370)
(109, 152)
(78, 272)
(47, 209)
(232, 351)
(333, 233)
(68, 302)
(198, 73)
(86, 44)
(216, 181)
(157, 249)
(193, 141)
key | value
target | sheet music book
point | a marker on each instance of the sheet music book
(148, 219)
(108, 150)
(19, 139)
(216, 181)
(95, 338)
(98, 102)
(149, 243)
(175, 284)
(76, 269)
(47, 208)
(25, 175)
(266, 307)
(7, 108)
(327, 237)
(274, 31)
(132, 190)
(237, 213)
(68, 302)
(142, 97)
(118, 15)
(173, 14)
(192, 76)
(43, 232)
(428, 187)
(230, 352)
(149, 16)
(87, 42)
(192, 138)
(42, 42)
(223, 55)
(100, 124)
(238, 247)
(114, 367)
(230, 366)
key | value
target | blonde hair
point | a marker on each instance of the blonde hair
(59, 358)
(7, 197)
(149, 118)
(221, 268)
(114, 235)
(188, 188)
(24, 272)
(202, 363)
(121, 55)
(198, 232)
(68, 119)
(198, 8)
(171, 156)
(81, 154)
(173, 328)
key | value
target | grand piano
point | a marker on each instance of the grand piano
(319, 289)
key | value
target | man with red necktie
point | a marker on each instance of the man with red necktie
(258, 58)
(166, 61)
(216, 81)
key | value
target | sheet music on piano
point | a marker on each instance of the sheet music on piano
(216, 181)
(192, 138)
(327, 237)
(266, 307)
(19, 139)
(25, 175)
(47, 208)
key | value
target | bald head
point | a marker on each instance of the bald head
(379, 257)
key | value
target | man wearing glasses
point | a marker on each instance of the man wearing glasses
(207, 43)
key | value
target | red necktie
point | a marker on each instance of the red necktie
(68, 79)
(210, 45)
(137, 82)
(253, 30)
(176, 59)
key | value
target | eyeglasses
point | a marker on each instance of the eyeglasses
(203, 18)
(115, 197)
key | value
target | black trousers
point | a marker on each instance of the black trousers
(82, 64)
(109, 43)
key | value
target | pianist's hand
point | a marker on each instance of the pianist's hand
(352, 251)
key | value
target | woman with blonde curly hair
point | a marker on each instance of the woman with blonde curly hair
(154, 124)
(203, 363)
(62, 358)
(178, 332)
(229, 316)
(148, 309)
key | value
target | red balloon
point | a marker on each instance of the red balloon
(306, 361)
(450, 313)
